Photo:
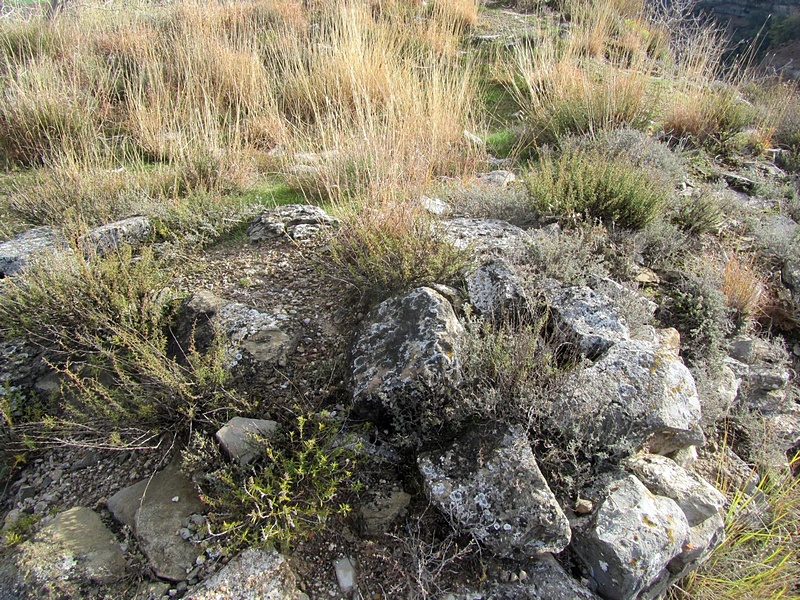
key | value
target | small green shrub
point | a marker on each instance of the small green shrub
(102, 323)
(589, 185)
(302, 478)
(380, 251)
(700, 313)
(699, 213)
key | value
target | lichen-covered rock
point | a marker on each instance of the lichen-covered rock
(545, 579)
(489, 485)
(629, 541)
(587, 317)
(17, 252)
(405, 360)
(248, 331)
(639, 394)
(791, 275)
(486, 236)
(297, 221)
(698, 499)
(73, 552)
(154, 509)
(101, 240)
(252, 575)
(238, 437)
(496, 290)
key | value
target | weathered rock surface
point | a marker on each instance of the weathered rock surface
(545, 580)
(238, 437)
(631, 539)
(703, 539)
(73, 551)
(486, 236)
(249, 331)
(253, 575)
(589, 318)
(297, 221)
(791, 275)
(154, 509)
(101, 240)
(404, 355)
(488, 484)
(498, 178)
(697, 498)
(496, 290)
(17, 252)
(379, 510)
(638, 394)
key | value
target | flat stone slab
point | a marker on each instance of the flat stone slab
(75, 550)
(238, 437)
(101, 240)
(253, 575)
(154, 509)
(486, 236)
(17, 252)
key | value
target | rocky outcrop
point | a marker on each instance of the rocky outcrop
(631, 538)
(639, 394)
(489, 484)
(404, 360)
(17, 252)
(484, 236)
(588, 318)
(252, 575)
(155, 509)
(297, 221)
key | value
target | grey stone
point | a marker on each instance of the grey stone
(297, 221)
(483, 236)
(639, 394)
(379, 510)
(101, 240)
(345, 574)
(149, 509)
(697, 498)
(499, 178)
(496, 290)
(435, 206)
(75, 546)
(631, 538)
(252, 575)
(546, 580)
(489, 484)
(791, 275)
(238, 437)
(587, 317)
(404, 354)
(703, 539)
(17, 252)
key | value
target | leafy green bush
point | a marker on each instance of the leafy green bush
(591, 185)
(700, 313)
(301, 479)
(381, 251)
(101, 323)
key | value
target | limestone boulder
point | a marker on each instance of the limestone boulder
(17, 252)
(252, 575)
(496, 290)
(590, 319)
(405, 359)
(489, 485)
(297, 221)
(639, 394)
(155, 509)
(628, 542)
(698, 499)
(132, 231)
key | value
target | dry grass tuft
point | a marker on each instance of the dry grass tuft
(744, 288)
